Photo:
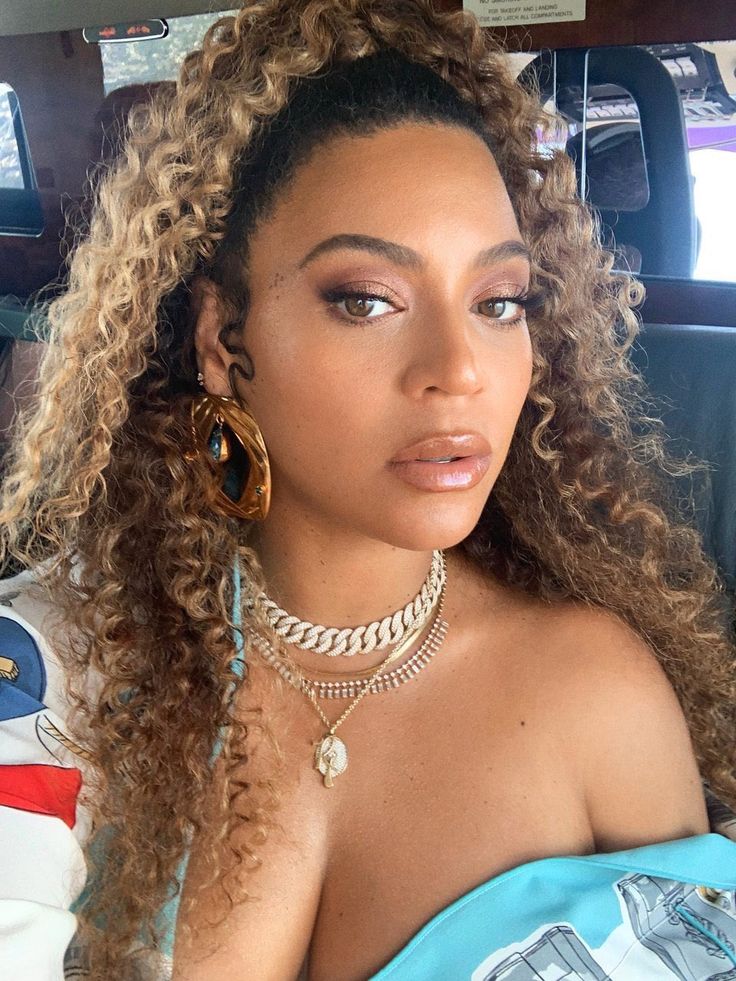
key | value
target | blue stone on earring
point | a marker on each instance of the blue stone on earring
(215, 443)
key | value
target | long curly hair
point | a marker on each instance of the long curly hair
(100, 500)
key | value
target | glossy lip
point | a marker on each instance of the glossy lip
(461, 474)
(415, 466)
(464, 444)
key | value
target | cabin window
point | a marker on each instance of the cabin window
(15, 164)
(20, 207)
(157, 60)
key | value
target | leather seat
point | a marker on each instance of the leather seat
(692, 370)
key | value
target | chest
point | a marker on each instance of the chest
(442, 800)
(441, 792)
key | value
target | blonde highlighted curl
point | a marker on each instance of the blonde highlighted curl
(98, 490)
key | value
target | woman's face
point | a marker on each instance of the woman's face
(383, 314)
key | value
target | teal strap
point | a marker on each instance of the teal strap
(166, 918)
(698, 924)
(238, 664)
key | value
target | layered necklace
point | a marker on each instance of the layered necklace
(404, 627)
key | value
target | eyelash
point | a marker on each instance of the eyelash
(527, 301)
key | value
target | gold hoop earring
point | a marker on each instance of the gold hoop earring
(227, 435)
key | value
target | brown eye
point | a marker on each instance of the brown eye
(505, 309)
(359, 306)
(495, 308)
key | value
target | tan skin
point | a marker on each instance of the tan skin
(536, 730)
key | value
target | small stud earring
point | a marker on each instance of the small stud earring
(200, 379)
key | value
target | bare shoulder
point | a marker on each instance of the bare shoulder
(594, 694)
(625, 726)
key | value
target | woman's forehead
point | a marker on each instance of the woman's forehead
(409, 152)
(393, 182)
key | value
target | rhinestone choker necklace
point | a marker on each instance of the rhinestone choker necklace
(374, 636)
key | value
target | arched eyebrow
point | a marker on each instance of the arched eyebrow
(402, 255)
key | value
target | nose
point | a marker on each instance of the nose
(444, 357)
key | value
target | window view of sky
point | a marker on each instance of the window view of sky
(156, 60)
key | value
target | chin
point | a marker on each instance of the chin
(424, 529)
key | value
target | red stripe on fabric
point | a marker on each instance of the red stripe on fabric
(43, 789)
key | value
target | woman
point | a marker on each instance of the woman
(340, 386)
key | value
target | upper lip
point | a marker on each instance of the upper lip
(441, 445)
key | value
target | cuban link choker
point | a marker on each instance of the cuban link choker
(374, 636)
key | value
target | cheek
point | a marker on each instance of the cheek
(510, 382)
(517, 366)
(311, 405)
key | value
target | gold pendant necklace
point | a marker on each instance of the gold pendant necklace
(330, 752)
(330, 757)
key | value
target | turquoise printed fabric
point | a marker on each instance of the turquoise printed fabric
(662, 911)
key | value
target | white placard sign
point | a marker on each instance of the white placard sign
(506, 13)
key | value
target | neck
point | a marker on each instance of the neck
(328, 579)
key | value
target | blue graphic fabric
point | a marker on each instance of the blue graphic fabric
(662, 911)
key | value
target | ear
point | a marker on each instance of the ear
(209, 315)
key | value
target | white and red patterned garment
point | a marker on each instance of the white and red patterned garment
(42, 869)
